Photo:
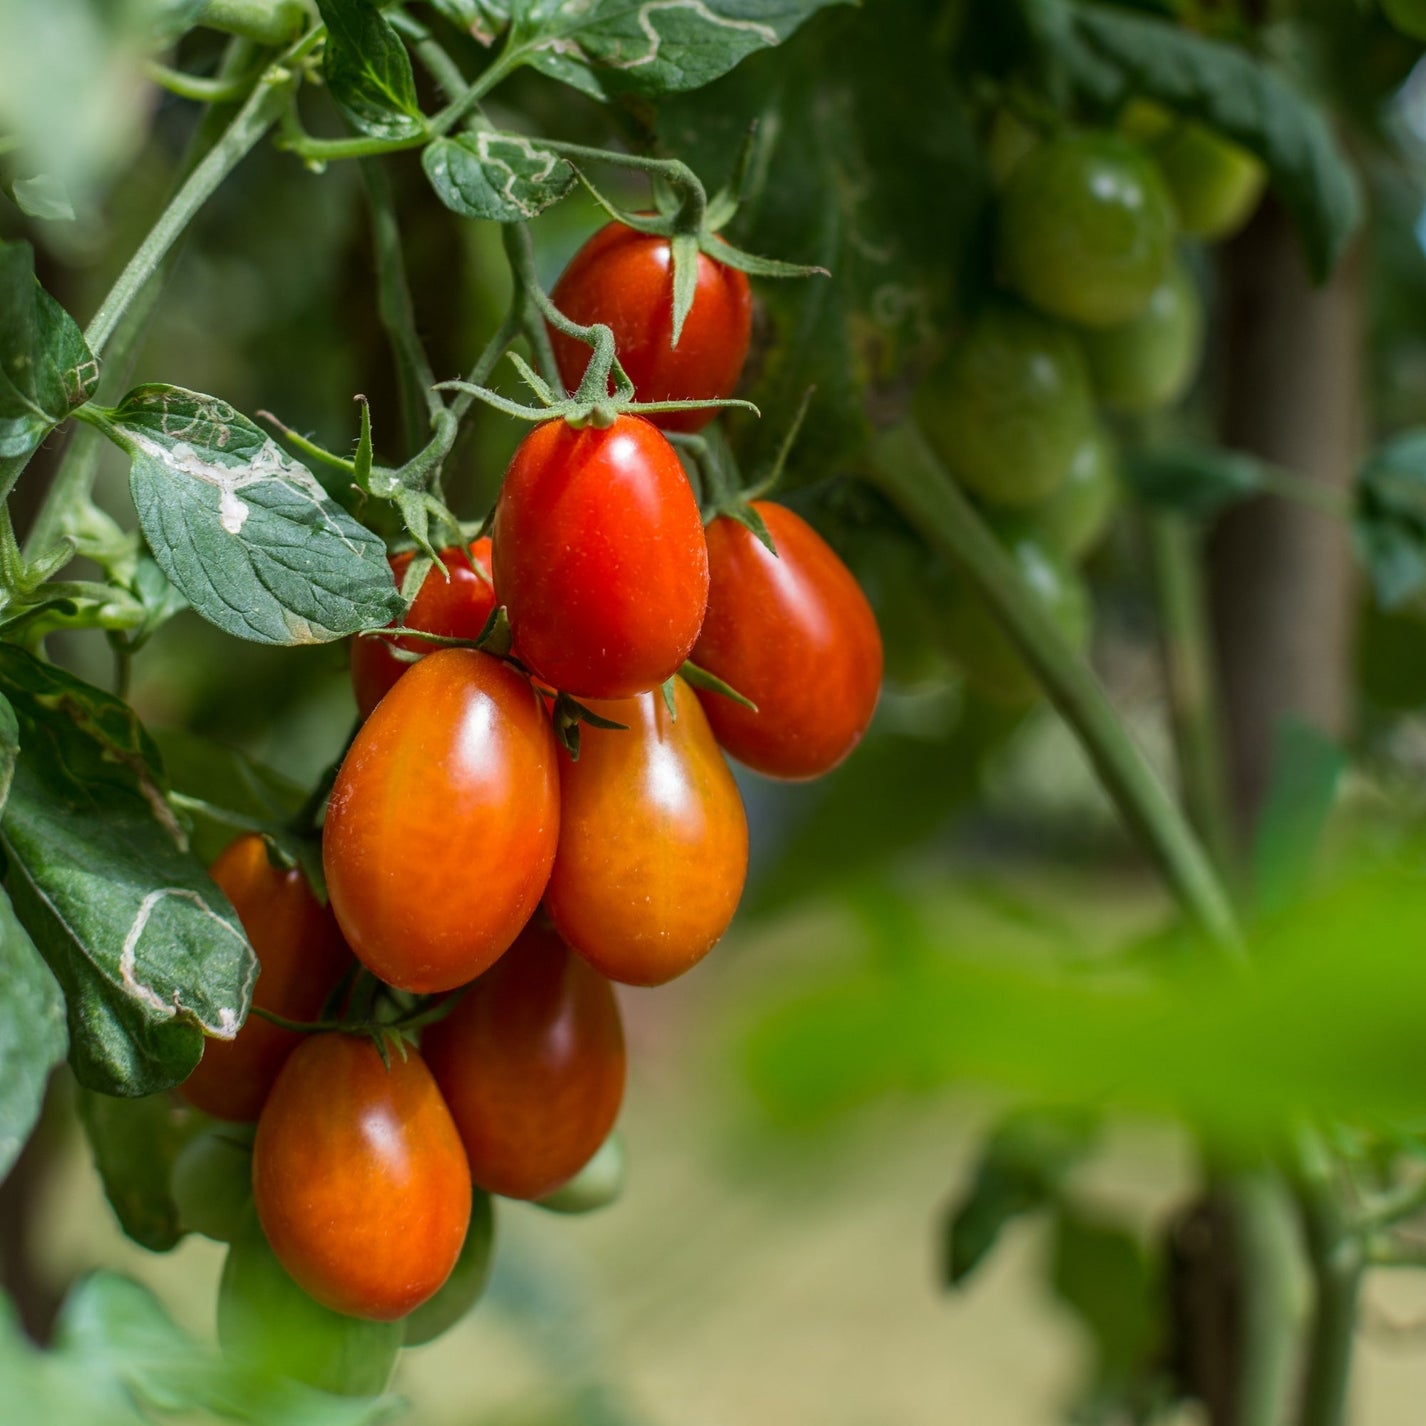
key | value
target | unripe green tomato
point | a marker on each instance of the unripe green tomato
(1009, 405)
(975, 639)
(464, 1287)
(268, 1323)
(598, 1184)
(1073, 520)
(1216, 184)
(1087, 228)
(212, 1184)
(1150, 361)
(1408, 16)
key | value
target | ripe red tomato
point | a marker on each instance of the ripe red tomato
(653, 847)
(457, 607)
(443, 821)
(794, 633)
(301, 957)
(359, 1177)
(624, 279)
(531, 1062)
(600, 557)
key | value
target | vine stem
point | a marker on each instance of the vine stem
(906, 470)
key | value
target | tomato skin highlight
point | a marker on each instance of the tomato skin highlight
(653, 848)
(457, 607)
(531, 1062)
(600, 558)
(442, 824)
(624, 279)
(794, 633)
(359, 1177)
(301, 957)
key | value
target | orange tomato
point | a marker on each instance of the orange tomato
(359, 1177)
(531, 1062)
(653, 847)
(443, 821)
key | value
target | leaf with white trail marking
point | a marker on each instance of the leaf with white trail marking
(503, 177)
(247, 534)
(148, 951)
(653, 47)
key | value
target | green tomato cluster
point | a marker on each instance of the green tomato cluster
(1095, 312)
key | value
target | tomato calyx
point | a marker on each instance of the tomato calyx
(568, 713)
(495, 639)
(697, 677)
(687, 217)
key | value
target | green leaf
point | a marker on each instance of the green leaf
(653, 47)
(135, 1143)
(1390, 523)
(1109, 1280)
(118, 1358)
(44, 197)
(1197, 481)
(1307, 770)
(866, 165)
(506, 178)
(148, 950)
(1113, 55)
(369, 71)
(1021, 1170)
(247, 534)
(46, 369)
(32, 1034)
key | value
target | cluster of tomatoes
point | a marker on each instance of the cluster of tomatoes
(1092, 309)
(494, 880)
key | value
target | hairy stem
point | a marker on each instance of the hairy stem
(907, 471)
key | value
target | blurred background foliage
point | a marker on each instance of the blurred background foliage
(957, 906)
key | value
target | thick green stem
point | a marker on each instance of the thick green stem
(1188, 663)
(1335, 1253)
(907, 471)
(268, 22)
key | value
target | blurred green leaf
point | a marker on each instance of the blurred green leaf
(118, 1358)
(135, 1143)
(1112, 55)
(147, 949)
(1391, 519)
(1328, 1024)
(504, 177)
(1198, 481)
(247, 534)
(1307, 769)
(611, 47)
(46, 369)
(865, 163)
(43, 197)
(369, 71)
(1022, 1168)
(1105, 1275)
(32, 1034)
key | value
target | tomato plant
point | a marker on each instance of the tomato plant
(1073, 520)
(531, 1062)
(1086, 228)
(1216, 185)
(600, 557)
(455, 601)
(653, 843)
(454, 769)
(359, 1178)
(301, 956)
(1409, 16)
(792, 632)
(624, 279)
